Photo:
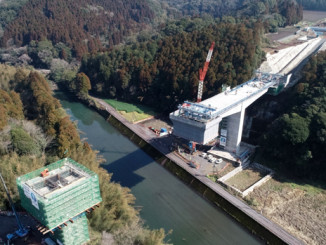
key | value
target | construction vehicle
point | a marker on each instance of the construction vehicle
(163, 132)
(22, 231)
(156, 131)
(202, 73)
(192, 146)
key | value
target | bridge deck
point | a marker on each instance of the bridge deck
(230, 98)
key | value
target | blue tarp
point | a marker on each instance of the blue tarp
(164, 130)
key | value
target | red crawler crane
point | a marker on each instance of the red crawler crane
(202, 73)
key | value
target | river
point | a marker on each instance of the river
(165, 201)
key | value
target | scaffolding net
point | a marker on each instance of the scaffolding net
(74, 234)
(65, 191)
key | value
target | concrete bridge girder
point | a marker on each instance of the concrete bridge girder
(245, 104)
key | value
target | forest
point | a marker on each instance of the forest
(80, 24)
(164, 73)
(314, 4)
(270, 10)
(88, 26)
(35, 131)
(295, 142)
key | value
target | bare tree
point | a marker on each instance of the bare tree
(128, 234)
(5, 140)
(37, 134)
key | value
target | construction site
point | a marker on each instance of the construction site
(58, 197)
(220, 118)
(206, 135)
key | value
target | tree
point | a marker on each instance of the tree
(82, 83)
(23, 143)
(67, 137)
(165, 72)
(3, 117)
(58, 68)
(297, 140)
(295, 129)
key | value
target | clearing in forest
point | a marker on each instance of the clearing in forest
(132, 112)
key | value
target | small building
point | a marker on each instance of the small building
(58, 196)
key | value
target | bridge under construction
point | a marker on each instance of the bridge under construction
(221, 117)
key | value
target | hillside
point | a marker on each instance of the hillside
(80, 24)
(87, 26)
(215, 8)
(273, 12)
(296, 140)
(163, 73)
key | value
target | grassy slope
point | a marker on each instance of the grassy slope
(131, 112)
(299, 208)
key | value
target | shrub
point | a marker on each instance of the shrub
(23, 143)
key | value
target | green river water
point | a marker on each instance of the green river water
(165, 201)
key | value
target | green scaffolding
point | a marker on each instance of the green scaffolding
(74, 233)
(59, 206)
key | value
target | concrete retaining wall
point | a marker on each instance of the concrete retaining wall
(257, 184)
(233, 172)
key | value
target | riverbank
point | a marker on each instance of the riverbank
(158, 148)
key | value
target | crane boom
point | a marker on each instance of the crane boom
(22, 231)
(202, 72)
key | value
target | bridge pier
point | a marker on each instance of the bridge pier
(234, 129)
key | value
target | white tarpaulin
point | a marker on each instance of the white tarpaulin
(34, 200)
(31, 195)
